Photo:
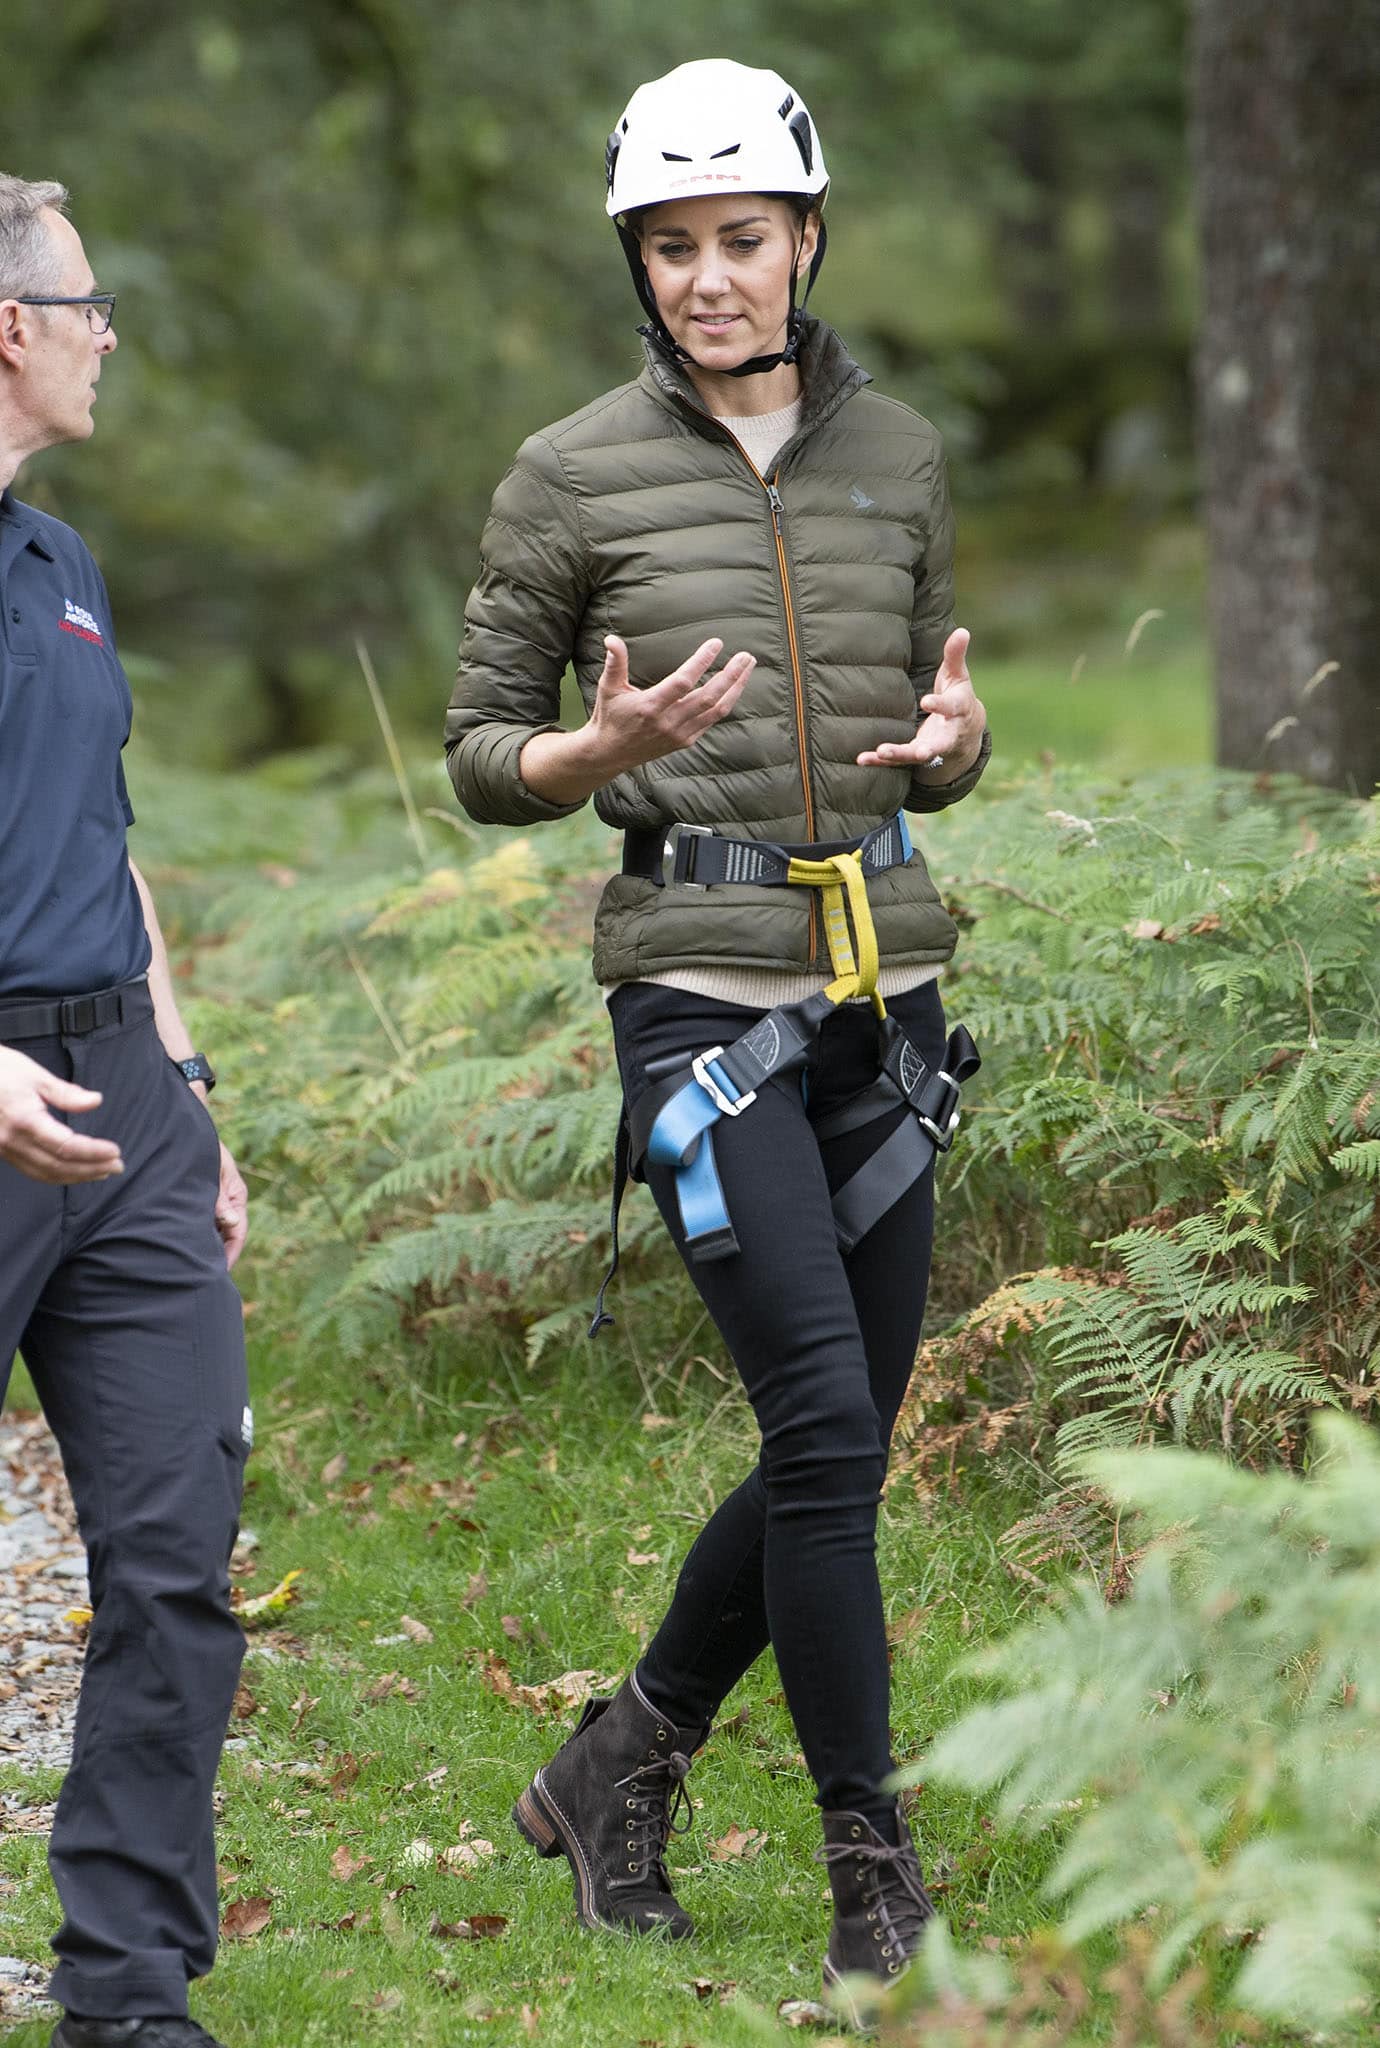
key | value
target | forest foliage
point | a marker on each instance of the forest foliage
(361, 253)
(1162, 1208)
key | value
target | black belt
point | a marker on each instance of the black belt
(694, 857)
(74, 1016)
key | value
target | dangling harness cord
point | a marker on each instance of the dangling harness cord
(671, 1122)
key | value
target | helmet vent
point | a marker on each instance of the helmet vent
(611, 149)
(800, 129)
(732, 150)
(672, 156)
(786, 105)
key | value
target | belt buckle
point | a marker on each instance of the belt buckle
(671, 860)
(699, 1067)
(76, 1016)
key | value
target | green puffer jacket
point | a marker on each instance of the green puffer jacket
(641, 515)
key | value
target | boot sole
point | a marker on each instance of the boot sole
(538, 1820)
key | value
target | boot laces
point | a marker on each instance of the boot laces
(657, 1801)
(891, 1883)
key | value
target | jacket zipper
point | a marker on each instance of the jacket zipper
(797, 679)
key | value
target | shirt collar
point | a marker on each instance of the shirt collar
(21, 516)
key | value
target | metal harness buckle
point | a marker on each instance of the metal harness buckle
(699, 1067)
(673, 863)
(942, 1132)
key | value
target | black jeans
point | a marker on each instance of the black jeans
(117, 1295)
(824, 1345)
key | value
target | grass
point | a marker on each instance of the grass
(556, 1482)
(544, 1483)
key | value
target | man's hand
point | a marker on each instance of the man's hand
(36, 1142)
(232, 1209)
(953, 729)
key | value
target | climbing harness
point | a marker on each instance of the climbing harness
(671, 1123)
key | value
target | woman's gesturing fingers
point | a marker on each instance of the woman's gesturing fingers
(644, 724)
(950, 733)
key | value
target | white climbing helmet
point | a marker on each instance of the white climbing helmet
(713, 126)
(705, 128)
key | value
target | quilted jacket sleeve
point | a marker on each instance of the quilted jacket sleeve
(931, 622)
(521, 620)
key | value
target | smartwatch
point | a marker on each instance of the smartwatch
(197, 1068)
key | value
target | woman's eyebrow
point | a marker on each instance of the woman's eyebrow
(730, 227)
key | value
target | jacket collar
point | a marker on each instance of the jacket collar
(828, 375)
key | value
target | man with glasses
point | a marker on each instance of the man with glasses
(120, 1215)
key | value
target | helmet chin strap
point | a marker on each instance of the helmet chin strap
(656, 331)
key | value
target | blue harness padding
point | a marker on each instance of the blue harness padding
(682, 1137)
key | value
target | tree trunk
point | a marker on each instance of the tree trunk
(1286, 141)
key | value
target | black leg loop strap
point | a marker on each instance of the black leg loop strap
(931, 1095)
(674, 1115)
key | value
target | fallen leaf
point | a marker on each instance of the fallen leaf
(905, 1625)
(746, 1843)
(479, 1927)
(476, 1590)
(557, 1695)
(708, 1987)
(334, 1468)
(644, 1557)
(248, 1612)
(418, 1630)
(1145, 928)
(511, 1627)
(345, 1864)
(465, 1855)
(80, 1617)
(392, 1685)
(344, 1775)
(244, 1918)
(418, 1852)
(804, 2012)
(302, 1706)
(245, 1703)
(651, 1421)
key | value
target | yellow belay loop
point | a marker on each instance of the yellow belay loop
(842, 889)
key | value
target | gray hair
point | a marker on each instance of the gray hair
(30, 263)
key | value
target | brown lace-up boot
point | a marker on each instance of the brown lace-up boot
(608, 1802)
(880, 1903)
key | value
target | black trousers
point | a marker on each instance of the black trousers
(117, 1295)
(824, 1345)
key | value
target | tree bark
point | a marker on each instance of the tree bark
(1286, 142)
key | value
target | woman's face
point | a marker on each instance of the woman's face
(721, 268)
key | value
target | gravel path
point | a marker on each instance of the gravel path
(42, 1575)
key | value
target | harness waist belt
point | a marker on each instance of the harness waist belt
(72, 1016)
(694, 857)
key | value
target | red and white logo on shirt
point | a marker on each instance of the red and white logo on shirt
(80, 622)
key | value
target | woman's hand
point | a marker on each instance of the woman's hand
(629, 727)
(949, 738)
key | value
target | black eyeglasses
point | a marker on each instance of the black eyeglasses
(100, 308)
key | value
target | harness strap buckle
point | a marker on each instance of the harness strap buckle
(725, 1104)
(678, 856)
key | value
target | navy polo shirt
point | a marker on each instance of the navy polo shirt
(70, 916)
